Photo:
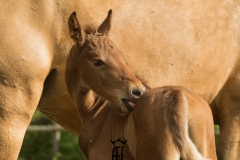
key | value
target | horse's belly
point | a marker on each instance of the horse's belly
(188, 43)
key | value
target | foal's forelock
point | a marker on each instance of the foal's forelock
(101, 43)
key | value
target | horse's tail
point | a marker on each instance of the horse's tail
(175, 108)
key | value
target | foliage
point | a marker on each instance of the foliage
(216, 128)
(38, 145)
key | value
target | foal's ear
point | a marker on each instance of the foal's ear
(74, 28)
(106, 24)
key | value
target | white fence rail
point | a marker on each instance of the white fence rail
(45, 128)
(54, 129)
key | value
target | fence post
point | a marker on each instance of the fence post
(56, 136)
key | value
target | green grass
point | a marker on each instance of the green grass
(38, 145)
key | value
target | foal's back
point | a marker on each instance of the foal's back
(172, 120)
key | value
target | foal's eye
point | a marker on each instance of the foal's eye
(98, 62)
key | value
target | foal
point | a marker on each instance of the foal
(164, 123)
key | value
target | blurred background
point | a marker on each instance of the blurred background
(46, 140)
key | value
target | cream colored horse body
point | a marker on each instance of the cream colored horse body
(190, 43)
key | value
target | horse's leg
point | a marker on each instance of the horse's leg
(17, 104)
(22, 74)
(227, 106)
(56, 102)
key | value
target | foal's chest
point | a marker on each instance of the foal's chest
(108, 142)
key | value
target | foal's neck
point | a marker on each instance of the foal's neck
(89, 103)
(102, 117)
(96, 111)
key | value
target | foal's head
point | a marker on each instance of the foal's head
(98, 65)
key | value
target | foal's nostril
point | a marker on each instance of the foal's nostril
(136, 92)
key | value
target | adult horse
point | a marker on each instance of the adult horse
(189, 43)
(165, 123)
